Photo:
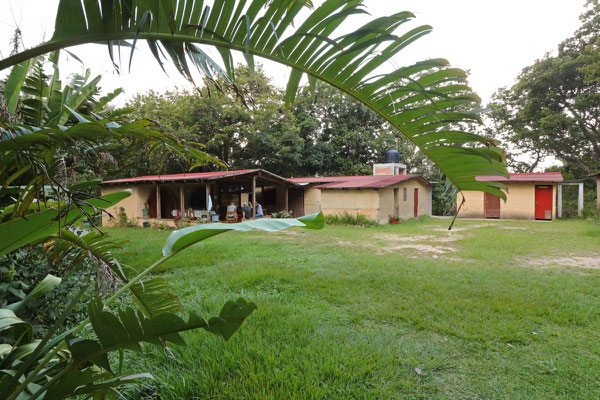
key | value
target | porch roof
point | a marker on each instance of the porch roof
(358, 182)
(202, 177)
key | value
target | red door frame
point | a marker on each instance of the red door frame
(416, 206)
(543, 202)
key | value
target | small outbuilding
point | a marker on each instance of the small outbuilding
(530, 196)
(378, 197)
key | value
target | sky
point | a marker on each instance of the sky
(493, 40)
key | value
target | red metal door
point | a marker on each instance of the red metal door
(492, 206)
(416, 210)
(543, 202)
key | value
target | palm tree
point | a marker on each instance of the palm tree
(428, 101)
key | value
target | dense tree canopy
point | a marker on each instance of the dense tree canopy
(325, 133)
(554, 107)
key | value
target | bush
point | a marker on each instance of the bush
(182, 222)
(591, 212)
(125, 222)
(349, 219)
(161, 226)
(283, 214)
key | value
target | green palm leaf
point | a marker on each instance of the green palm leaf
(428, 101)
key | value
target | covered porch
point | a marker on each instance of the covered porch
(203, 196)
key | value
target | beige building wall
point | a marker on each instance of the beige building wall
(405, 203)
(338, 201)
(312, 200)
(377, 205)
(520, 202)
(473, 205)
(129, 203)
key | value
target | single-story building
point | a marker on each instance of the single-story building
(161, 197)
(390, 192)
(529, 196)
(378, 197)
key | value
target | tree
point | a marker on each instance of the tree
(554, 108)
(341, 136)
(422, 101)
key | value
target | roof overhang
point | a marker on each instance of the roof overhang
(202, 177)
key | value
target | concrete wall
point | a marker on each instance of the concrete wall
(129, 204)
(312, 200)
(520, 203)
(377, 205)
(473, 205)
(404, 208)
(365, 201)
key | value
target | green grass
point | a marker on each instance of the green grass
(347, 313)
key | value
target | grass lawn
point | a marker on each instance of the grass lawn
(491, 310)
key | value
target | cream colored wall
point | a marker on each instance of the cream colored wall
(129, 203)
(520, 202)
(312, 201)
(377, 205)
(473, 205)
(405, 208)
(354, 202)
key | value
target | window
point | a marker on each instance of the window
(404, 196)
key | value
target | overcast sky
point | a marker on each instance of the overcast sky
(494, 40)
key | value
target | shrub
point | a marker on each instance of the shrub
(283, 214)
(591, 212)
(182, 222)
(162, 226)
(125, 222)
(349, 219)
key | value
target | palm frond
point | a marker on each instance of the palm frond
(428, 101)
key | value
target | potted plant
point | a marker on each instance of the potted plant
(146, 211)
(394, 219)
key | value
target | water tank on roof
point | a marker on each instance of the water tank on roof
(392, 156)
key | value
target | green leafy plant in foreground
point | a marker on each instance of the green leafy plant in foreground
(66, 364)
(429, 102)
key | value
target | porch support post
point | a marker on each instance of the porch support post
(158, 210)
(580, 200)
(559, 200)
(207, 186)
(253, 196)
(181, 199)
(285, 198)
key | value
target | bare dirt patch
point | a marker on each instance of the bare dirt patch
(435, 247)
(588, 262)
(418, 238)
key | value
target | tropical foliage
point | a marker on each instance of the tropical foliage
(426, 101)
(552, 110)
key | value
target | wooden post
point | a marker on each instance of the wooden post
(285, 198)
(207, 187)
(559, 200)
(253, 196)
(158, 210)
(580, 200)
(181, 199)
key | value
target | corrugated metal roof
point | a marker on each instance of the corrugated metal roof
(356, 182)
(199, 176)
(524, 177)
